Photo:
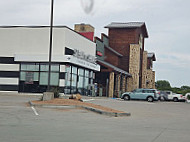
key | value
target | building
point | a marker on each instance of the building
(24, 59)
(124, 64)
(150, 81)
(86, 30)
(111, 79)
(128, 39)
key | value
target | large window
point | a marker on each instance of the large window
(78, 80)
(38, 72)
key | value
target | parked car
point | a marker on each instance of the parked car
(141, 94)
(170, 96)
(163, 96)
(187, 97)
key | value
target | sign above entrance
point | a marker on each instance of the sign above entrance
(82, 55)
(81, 62)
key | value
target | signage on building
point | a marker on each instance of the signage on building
(83, 63)
(99, 53)
(82, 55)
(29, 78)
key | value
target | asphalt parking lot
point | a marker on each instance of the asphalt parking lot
(149, 122)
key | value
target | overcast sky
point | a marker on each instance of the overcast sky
(167, 21)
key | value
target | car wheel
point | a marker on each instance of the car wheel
(150, 99)
(126, 97)
(175, 99)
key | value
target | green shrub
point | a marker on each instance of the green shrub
(56, 91)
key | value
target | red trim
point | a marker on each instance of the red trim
(99, 53)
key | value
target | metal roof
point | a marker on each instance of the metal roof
(117, 25)
(114, 67)
(125, 25)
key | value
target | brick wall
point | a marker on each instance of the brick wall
(120, 40)
(111, 58)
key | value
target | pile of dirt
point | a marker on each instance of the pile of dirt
(67, 102)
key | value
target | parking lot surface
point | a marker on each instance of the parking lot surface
(149, 122)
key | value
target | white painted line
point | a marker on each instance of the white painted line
(34, 110)
(86, 100)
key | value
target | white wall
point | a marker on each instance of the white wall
(9, 67)
(75, 41)
(35, 41)
(29, 41)
(9, 81)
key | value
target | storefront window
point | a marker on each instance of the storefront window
(55, 68)
(74, 83)
(81, 72)
(43, 78)
(54, 81)
(44, 67)
(23, 76)
(34, 76)
(86, 73)
(74, 70)
(30, 67)
(68, 76)
(86, 82)
(78, 80)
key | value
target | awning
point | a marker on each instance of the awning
(113, 67)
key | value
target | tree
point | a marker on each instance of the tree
(163, 85)
(185, 87)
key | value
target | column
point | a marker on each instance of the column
(111, 84)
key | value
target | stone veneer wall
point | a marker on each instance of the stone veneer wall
(150, 79)
(111, 84)
(144, 69)
(153, 80)
(123, 84)
(134, 66)
(129, 84)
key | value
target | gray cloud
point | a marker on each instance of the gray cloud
(167, 23)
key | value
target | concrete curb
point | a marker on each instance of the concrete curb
(115, 114)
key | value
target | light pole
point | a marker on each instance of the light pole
(50, 44)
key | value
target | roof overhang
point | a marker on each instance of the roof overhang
(113, 67)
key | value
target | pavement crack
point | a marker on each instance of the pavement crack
(159, 135)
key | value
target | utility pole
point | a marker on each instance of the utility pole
(50, 44)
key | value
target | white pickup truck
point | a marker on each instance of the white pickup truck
(170, 96)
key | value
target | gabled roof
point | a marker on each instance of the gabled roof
(129, 25)
(151, 55)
